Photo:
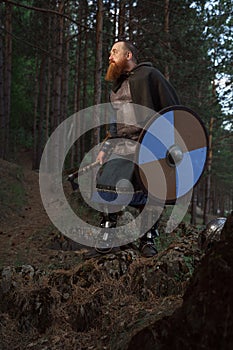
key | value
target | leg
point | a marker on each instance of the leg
(109, 220)
(147, 246)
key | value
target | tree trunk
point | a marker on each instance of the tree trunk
(85, 57)
(75, 152)
(80, 81)
(99, 52)
(166, 30)
(98, 74)
(48, 97)
(98, 67)
(122, 20)
(40, 113)
(7, 80)
(35, 134)
(194, 207)
(208, 177)
(2, 104)
(58, 76)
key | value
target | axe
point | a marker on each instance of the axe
(106, 147)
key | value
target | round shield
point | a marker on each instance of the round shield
(172, 153)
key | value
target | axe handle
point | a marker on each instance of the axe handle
(86, 168)
(83, 170)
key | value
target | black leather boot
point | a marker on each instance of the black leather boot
(105, 244)
(147, 246)
(109, 220)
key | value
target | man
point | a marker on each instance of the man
(139, 84)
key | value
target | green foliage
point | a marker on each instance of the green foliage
(12, 191)
(22, 137)
(195, 49)
(222, 161)
(22, 93)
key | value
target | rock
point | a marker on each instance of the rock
(27, 271)
(204, 321)
(84, 316)
(35, 311)
(227, 231)
(211, 234)
(6, 281)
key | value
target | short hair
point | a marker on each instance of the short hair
(132, 48)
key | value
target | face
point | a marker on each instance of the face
(118, 61)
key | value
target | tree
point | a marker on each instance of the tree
(2, 105)
(58, 47)
(5, 81)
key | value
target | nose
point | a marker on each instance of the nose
(110, 57)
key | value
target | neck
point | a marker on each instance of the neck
(131, 65)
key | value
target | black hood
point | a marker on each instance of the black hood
(117, 83)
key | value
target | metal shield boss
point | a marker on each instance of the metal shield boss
(171, 153)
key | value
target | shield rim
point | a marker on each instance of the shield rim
(140, 138)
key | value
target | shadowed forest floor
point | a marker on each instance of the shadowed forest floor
(54, 298)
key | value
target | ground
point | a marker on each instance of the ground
(52, 297)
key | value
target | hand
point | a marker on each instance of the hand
(101, 157)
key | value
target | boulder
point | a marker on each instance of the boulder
(204, 321)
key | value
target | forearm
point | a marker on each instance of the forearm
(104, 151)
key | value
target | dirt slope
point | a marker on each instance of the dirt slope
(52, 298)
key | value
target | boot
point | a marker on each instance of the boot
(109, 220)
(105, 239)
(147, 246)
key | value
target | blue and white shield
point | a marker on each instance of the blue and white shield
(172, 153)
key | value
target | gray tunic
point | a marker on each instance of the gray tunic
(118, 176)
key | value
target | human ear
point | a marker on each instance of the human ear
(129, 55)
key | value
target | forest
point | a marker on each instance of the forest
(54, 293)
(54, 55)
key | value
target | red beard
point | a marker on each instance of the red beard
(115, 70)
